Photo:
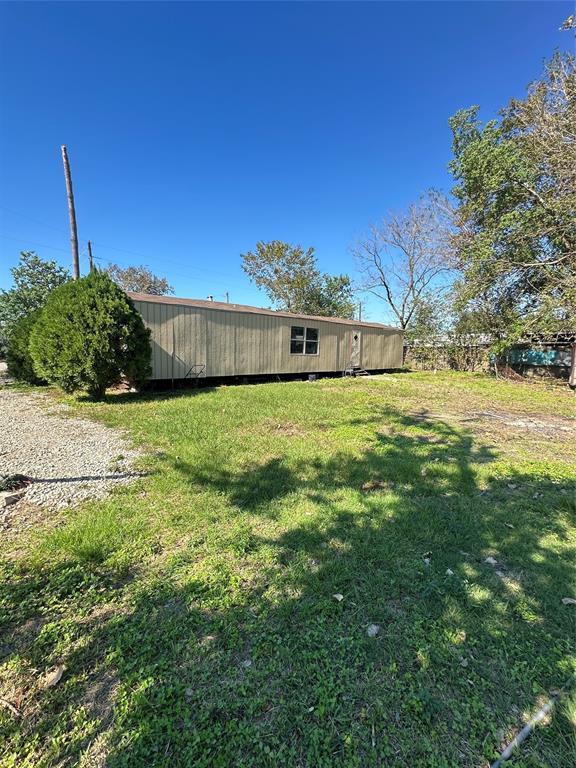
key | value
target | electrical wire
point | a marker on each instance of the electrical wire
(108, 247)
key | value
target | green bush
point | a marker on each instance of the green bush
(89, 335)
(20, 364)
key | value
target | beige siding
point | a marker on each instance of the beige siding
(381, 348)
(229, 343)
(178, 339)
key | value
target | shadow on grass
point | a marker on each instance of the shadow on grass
(147, 396)
(251, 661)
(437, 461)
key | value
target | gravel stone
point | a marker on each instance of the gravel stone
(68, 459)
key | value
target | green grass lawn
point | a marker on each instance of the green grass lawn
(194, 611)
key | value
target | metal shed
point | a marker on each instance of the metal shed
(192, 338)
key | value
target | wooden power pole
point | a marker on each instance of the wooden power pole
(90, 257)
(71, 215)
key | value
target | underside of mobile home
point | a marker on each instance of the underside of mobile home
(194, 339)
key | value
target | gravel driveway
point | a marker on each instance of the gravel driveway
(68, 459)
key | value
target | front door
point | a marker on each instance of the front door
(355, 355)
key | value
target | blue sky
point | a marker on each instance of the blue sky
(195, 130)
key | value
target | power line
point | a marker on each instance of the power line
(173, 274)
(34, 221)
(26, 240)
(119, 250)
(84, 253)
(33, 242)
(161, 258)
(111, 247)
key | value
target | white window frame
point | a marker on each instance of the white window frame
(304, 340)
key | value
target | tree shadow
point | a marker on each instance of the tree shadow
(250, 490)
(215, 668)
(148, 396)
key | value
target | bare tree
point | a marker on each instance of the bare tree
(402, 258)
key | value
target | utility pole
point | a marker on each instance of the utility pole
(90, 257)
(227, 298)
(359, 311)
(71, 215)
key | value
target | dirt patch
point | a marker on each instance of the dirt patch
(20, 518)
(287, 428)
(96, 756)
(375, 485)
(98, 696)
(98, 700)
(524, 422)
(542, 425)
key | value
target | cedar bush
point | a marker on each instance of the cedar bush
(89, 335)
(18, 357)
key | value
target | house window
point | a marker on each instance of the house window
(303, 341)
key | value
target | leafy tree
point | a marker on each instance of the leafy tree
(441, 335)
(330, 296)
(20, 364)
(89, 335)
(34, 278)
(467, 345)
(516, 188)
(139, 279)
(291, 278)
(425, 335)
(406, 255)
(429, 319)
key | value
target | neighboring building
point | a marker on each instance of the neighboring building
(547, 355)
(196, 339)
(537, 355)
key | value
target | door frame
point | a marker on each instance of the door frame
(356, 348)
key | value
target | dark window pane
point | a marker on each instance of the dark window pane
(311, 347)
(296, 347)
(312, 334)
(297, 332)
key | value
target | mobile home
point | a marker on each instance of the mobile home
(194, 339)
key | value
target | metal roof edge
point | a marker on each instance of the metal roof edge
(247, 309)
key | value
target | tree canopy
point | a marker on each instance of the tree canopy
(88, 336)
(18, 357)
(292, 280)
(34, 278)
(139, 279)
(516, 188)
